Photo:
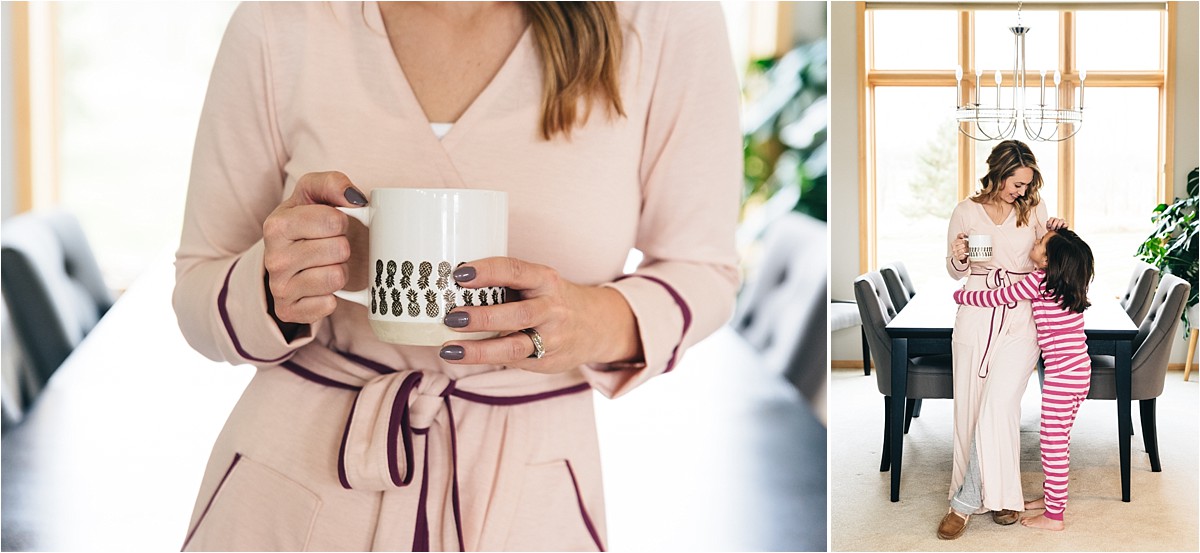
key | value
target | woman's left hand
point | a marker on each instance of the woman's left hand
(577, 324)
(1054, 223)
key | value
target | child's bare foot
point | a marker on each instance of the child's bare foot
(1039, 503)
(1040, 521)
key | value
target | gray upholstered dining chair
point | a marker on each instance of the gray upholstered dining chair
(1136, 300)
(899, 284)
(1151, 353)
(928, 377)
(52, 286)
(782, 310)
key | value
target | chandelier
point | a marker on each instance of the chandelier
(1040, 121)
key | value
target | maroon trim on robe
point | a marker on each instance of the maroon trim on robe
(237, 345)
(683, 309)
(587, 520)
(400, 429)
(342, 477)
(236, 457)
(310, 376)
(518, 400)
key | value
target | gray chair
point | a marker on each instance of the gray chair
(52, 287)
(899, 284)
(844, 314)
(782, 310)
(928, 377)
(1136, 300)
(1151, 353)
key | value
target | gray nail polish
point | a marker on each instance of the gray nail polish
(355, 197)
(452, 353)
(464, 274)
(457, 319)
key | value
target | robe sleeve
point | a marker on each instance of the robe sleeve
(691, 173)
(1027, 289)
(958, 223)
(236, 181)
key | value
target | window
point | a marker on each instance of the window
(124, 84)
(1105, 181)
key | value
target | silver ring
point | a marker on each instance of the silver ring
(539, 349)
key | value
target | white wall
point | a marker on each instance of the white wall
(843, 168)
(843, 182)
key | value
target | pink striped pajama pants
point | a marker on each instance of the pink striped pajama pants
(1063, 391)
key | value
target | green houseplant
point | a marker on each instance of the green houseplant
(785, 126)
(1172, 245)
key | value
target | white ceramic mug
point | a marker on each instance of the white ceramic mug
(418, 237)
(979, 247)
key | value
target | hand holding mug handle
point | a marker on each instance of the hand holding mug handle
(361, 297)
(306, 248)
(960, 247)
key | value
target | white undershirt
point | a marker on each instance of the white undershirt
(440, 129)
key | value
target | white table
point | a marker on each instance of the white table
(111, 455)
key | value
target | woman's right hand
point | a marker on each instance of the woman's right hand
(307, 249)
(958, 248)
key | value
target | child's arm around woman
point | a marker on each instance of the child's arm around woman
(1031, 287)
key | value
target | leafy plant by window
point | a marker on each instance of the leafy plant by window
(786, 125)
(1172, 245)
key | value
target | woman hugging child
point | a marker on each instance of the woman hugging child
(1058, 292)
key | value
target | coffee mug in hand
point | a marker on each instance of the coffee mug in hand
(418, 237)
(979, 247)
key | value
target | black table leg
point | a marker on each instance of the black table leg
(899, 395)
(1124, 419)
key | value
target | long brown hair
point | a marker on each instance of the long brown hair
(1069, 268)
(1005, 159)
(580, 46)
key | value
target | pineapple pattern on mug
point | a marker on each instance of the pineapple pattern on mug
(417, 297)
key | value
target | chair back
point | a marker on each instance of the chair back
(1156, 335)
(775, 310)
(1136, 300)
(899, 284)
(52, 286)
(876, 310)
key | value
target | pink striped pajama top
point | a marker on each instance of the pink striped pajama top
(1068, 374)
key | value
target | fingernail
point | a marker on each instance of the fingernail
(457, 319)
(464, 274)
(355, 197)
(452, 353)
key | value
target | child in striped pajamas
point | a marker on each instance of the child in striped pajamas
(1058, 290)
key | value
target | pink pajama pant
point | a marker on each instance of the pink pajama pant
(1063, 391)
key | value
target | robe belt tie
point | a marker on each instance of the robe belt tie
(393, 412)
(993, 279)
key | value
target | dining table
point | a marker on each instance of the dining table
(926, 325)
(110, 455)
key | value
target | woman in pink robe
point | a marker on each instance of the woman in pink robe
(343, 442)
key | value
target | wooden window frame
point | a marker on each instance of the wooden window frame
(869, 79)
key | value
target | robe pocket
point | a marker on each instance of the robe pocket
(551, 514)
(255, 508)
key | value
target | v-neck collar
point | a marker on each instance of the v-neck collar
(477, 109)
(1012, 212)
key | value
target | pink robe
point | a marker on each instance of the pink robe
(342, 442)
(995, 353)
